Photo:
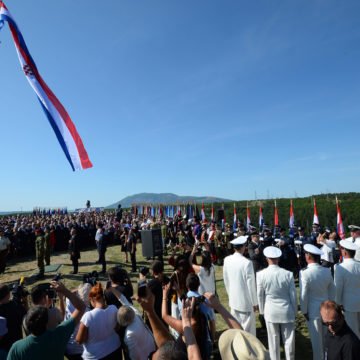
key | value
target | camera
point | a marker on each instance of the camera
(142, 286)
(91, 278)
(144, 270)
(19, 292)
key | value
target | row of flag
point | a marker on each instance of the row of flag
(49, 211)
(191, 211)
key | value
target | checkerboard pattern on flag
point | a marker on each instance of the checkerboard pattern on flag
(316, 217)
(59, 119)
(339, 223)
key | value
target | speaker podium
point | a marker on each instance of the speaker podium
(152, 243)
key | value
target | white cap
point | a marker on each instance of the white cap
(312, 249)
(241, 240)
(272, 252)
(348, 245)
(354, 227)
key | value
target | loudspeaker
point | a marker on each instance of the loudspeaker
(152, 243)
(220, 214)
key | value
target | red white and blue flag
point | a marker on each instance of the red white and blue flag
(339, 223)
(248, 220)
(203, 217)
(59, 119)
(316, 217)
(292, 216)
(235, 219)
(212, 213)
(261, 218)
(276, 215)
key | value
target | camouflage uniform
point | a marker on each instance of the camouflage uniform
(40, 252)
(47, 248)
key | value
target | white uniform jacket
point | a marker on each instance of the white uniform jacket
(239, 280)
(347, 283)
(276, 294)
(316, 286)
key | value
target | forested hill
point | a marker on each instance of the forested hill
(303, 209)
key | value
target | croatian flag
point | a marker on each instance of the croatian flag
(261, 218)
(276, 215)
(292, 216)
(203, 217)
(235, 219)
(248, 220)
(59, 119)
(339, 223)
(212, 213)
(316, 218)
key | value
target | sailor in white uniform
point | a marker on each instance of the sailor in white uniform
(347, 282)
(239, 280)
(277, 301)
(316, 286)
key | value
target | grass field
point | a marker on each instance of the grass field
(27, 267)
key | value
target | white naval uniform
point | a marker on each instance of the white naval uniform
(316, 286)
(277, 301)
(239, 280)
(347, 283)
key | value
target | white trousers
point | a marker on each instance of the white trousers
(353, 321)
(287, 331)
(317, 331)
(246, 319)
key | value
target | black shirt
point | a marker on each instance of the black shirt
(345, 345)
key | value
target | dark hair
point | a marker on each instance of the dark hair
(206, 261)
(170, 351)
(118, 275)
(37, 294)
(36, 320)
(316, 258)
(192, 282)
(4, 291)
(157, 267)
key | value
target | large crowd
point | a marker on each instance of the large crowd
(178, 318)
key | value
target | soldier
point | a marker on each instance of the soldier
(228, 236)
(239, 280)
(347, 282)
(277, 301)
(255, 250)
(4, 250)
(47, 245)
(316, 286)
(40, 249)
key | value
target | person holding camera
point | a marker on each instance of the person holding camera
(14, 313)
(44, 295)
(43, 343)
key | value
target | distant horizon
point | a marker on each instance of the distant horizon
(231, 200)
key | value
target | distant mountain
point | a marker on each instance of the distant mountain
(164, 198)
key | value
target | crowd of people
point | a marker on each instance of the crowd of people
(178, 321)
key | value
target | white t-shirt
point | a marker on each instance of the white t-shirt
(207, 281)
(102, 338)
(139, 340)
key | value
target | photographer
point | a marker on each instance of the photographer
(43, 343)
(13, 311)
(119, 279)
(44, 295)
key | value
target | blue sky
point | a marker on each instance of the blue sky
(220, 98)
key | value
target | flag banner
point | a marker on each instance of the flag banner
(339, 223)
(248, 220)
(203, 217)
(58, 117)
(292, 216)
(276, 215)
(235, 220)
(316, 217)
(261, 218)
(212, 213)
